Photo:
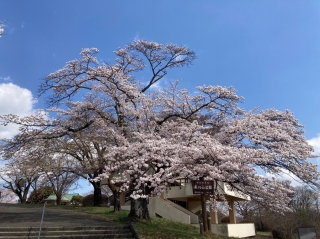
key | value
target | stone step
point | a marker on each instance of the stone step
(75, 236)
(119, 232)
(15, 229)
(84, 232)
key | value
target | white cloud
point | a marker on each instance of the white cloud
(14, 100)
(315, 143)
(156, 86)
(163, 83)
(6, 78)
(286, 176)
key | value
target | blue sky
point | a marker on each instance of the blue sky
(268, 50)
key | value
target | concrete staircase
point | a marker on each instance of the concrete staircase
(119, 232)
(171, 211)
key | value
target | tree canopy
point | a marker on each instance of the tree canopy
(142, 138)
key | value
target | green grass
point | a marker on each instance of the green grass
(264, 235)
(104, 212)
(160, 228)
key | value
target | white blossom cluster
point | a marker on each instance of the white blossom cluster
(1, 29)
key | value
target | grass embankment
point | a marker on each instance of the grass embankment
(156, 228)
(159, 228)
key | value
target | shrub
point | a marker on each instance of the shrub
(225, 219)
(41, 193)
(278, 234)
(88, 200)
(77, 200)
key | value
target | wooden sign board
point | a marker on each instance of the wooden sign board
(203, 187)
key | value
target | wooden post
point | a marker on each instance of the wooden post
(209, 224)
(204, 212)
(201, 228)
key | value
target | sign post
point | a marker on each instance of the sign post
(203, 187)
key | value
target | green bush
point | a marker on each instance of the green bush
(41, 193)
(77, 200)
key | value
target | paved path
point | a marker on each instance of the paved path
(18, 215)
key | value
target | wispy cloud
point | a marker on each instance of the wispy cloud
(6, 78)
(137, 37)
(12, 30)
(22, 25)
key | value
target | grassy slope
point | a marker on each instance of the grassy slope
(159, 228)
(156, 228)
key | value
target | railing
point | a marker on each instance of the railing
(44, 207)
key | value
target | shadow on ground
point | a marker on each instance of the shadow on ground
(21, 215)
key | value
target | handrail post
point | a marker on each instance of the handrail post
(44, 207)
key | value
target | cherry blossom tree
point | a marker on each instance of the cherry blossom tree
(7, 196)
(89, 156)
(142, 139)
(40, 163)
(19, 177)
(57, 171)
(110, 90)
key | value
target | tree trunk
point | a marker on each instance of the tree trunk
(139, 209)
(20, 198)
(144, 211)
(116, 201)
(97, 200)
(22, 193)
(59, 196)
(24, 198)
(133, 211)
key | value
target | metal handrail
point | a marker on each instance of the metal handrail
(44, 207)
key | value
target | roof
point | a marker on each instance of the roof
(65, 197)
